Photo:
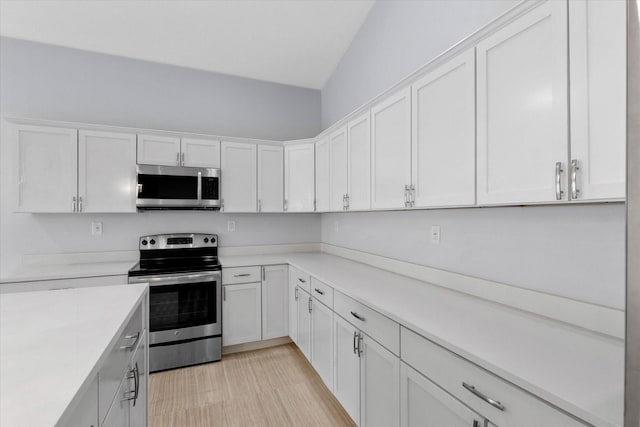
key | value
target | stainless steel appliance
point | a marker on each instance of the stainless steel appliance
(175, 187)
(185, 295)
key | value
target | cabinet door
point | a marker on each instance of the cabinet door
(200, 153)
(299, 177)
(522, 109)
(239, 177)
(597, 38)
(346, 369)
(106, 172)
(46, 168)
(158, 150)
(391, 150)
(322, 341)
(323, 175)
(118, 415)
(379, 385)
(444, 134)
(338, 162)
(270, 178)
(275, 308)
(293, 306)
(359, 162)
(241, 313)
(424, 404)
(138, 406)
(304, 322)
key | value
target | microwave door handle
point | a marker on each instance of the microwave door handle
(199, 186)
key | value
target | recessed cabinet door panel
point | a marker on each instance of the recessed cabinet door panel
(200, 153)
(239, 177)
(293, 306)
(598, 97)
(299, 179)
(391, 150)
(46, 168)
(323, 175)
(118, 415)
(424, 404)
(322, 341)
(304, 323)
(444, 134)
(270, 178)
(241, 313)
(338, 162)
(275, 308)
(359, 166)
(158, 150)
(346, 379)
(522, 109)
(379, 385)
(106, 171)
(138, 408)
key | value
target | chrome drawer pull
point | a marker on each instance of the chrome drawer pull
(483, 396)
(357, 316)
(355, 337)
(319, 291)
(133, 337)
(242, 275)
(301, 280)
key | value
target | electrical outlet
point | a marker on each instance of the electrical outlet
(435, 234)
(231, 226)
(96, 228)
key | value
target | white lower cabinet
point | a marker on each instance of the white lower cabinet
(139, 384)
(304, 322)
(322, 341)
(275, 308)
(118, 415)
(379, 384)
(241, 313)
(86, 412)
(424, 404)
(346, 380)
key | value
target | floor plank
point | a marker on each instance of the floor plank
(271, 387)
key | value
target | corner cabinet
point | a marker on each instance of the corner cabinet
(270, 178)
(239, 177)
(299, 177)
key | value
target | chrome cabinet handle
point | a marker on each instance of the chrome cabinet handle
(182, 158)
(359, 345)
(133, 337)
(242, 275)
(224, 293)
(222, 205)
(133, 374)
(178, 158)
(483, 396)
(559, 170)
(476, 423)
(301, 280)
(575, 167)
(348, 201)
(80, 204)
(310, 304)
(259, 205)
(355, 338)
(412, 195)
(73, 204)
(285, 205)
(319, 291)
(296, 293)
(199, 187)
(264, 274)
(357, 316)
(406, 196)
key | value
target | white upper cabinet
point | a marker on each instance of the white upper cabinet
(239, 177)
(359, 162)
(106, 172)
(270, 178)
(275, 301)
(444, 135)
(323, 174)
(597, 37)
(159, 150)
(200, 153)
(338, 178)
(391, 151)
(46, 168)
(299, 177)
(522, 109)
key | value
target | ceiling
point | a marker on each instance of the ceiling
(294, 42)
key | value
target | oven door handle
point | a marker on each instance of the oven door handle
(176, 279)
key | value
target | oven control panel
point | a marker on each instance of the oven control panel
(178, 241)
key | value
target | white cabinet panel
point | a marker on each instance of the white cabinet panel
(338, 176)
(46, 168)
(138, 406)
(293, 306)
(241, 313)
(106, 172)
(522, 108)
(323, 175)
(322, 341)
(239, 176)
(391, 150)
(299, 177)
(359, 162)
(346, 379)
(275, 308)
(200, 153)
(424, 404)
(597, 38)
(270, 178)
(304, 322)
(443, 135)
(379, 386)
(118, 415)
(158, 150)
(85, 414)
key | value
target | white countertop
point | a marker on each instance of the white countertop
(574, 369)
(35, 272)
(51, 344)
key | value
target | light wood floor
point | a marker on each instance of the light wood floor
(271, 387)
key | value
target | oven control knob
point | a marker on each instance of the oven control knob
(213, 240)
(153, 242)
(144, 242)
(206, 240)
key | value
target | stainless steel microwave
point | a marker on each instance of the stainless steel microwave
(175, 187)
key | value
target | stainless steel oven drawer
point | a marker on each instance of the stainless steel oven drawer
(193, 352)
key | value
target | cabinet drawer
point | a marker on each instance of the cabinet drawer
(450, 372)
(374, 324)
(322, 292)
(115, 365)
(234, 275)
(302, 279)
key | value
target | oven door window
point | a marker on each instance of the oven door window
(182, 306)
(167, 187)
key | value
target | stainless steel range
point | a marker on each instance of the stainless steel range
(185, 294)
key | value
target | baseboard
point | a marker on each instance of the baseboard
(256, 345)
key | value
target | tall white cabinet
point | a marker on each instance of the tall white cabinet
(299, 177)
(323, 174)
(239, 176)
(338, 178)
(359, 162)
(270, 178)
